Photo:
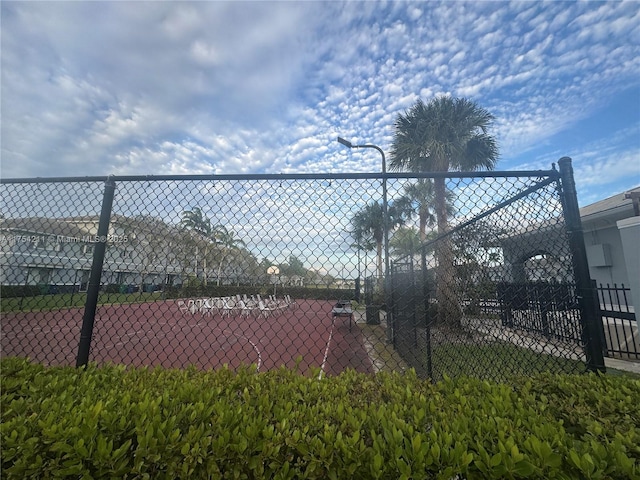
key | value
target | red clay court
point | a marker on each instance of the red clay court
(159, 334)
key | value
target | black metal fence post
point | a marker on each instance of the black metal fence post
(426, 319)
(521, 214)
(93, 288)
(596, 302)
(588, 308)
(392, 302)
(412, 301)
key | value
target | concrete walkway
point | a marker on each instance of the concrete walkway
(385, 358)
(626, 365)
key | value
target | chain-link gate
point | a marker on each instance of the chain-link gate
(266, 270)
(500, 291)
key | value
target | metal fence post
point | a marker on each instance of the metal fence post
(93, 288)
(588, 308)
(596, 302)
(426, 319)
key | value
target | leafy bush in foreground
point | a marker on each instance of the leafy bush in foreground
(139, 423)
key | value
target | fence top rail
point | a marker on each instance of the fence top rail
(289, 176)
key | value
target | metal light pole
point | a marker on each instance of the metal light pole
(274, 271)
(385, 217)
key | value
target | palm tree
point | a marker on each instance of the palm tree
(362, 243)
(406, 241)
(442, 135)
(227, 243)
(195, 221)
(419, 198)
(368, 224)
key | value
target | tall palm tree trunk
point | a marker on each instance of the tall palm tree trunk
(448, 306)
(423, 227)
(379, 255)
(220, 269)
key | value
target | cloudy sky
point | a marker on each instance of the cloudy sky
(91, 88)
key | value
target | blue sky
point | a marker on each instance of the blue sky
(92, 88)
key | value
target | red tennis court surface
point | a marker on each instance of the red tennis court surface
(157, 333)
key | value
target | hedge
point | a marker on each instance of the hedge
(112, 422)
(15, 291)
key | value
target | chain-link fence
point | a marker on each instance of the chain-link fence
(494, 293)
(289, 270)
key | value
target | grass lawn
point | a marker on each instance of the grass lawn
(68, 300)
(497, 361)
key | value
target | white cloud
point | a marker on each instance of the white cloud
(229, 87)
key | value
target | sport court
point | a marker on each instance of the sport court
(160, 334)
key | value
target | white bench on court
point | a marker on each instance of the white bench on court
(342, 308)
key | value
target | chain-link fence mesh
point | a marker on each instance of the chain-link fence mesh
(494, 293)
(290, 270)
(47, 239)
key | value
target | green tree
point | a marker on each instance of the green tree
(419, 198)
(405, 241)
(227, 244)
(195, 221)
(362, 243)
(296, 267)
(368, 224)
(442, 135)
(290, 271)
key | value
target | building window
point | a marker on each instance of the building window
(48, 243)
(84, 280)
(41, 243)
(39, 276)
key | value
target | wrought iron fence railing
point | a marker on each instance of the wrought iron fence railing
(619, 325)
(232, 270)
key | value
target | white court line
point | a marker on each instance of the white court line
(257, 350)
(229, 332)
(128, 334)
(37, 331)
(214, 329)
(326, 350)
(157, 335)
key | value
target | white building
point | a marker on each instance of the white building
(604, 224)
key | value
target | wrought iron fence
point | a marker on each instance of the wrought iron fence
(619, 325)
(267, 270)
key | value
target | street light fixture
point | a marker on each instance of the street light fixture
(348, 144)
(385, 220)
(344, 142)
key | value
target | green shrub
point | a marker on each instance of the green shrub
(318, 293)
(14, 291)
(112, 422)
(114, 288)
